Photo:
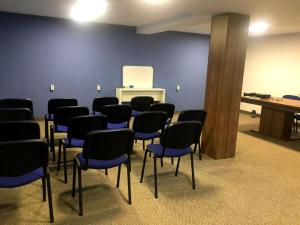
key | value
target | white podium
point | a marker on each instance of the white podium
(126, 94)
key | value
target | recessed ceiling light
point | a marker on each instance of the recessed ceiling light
(88, 10)
(258, 27)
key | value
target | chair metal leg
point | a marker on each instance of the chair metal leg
(74, 178)
(47, 130)
(59, 155)
(80, 192)
(65, 164)
(161, 162)
(128, 183)
(172, 160)
(119, 174)
(52, 147)
(177, 167)
(143, 168)
(155, 177)
(143, 145)
(44, 188)
(193, 175)
(50, 198)
(106, 172)
(200, 151)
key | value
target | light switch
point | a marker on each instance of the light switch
(52, 87)
(98, 87)
(178, 88)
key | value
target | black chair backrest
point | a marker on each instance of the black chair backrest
(149, 122)
(165, 107)
(80, 126)
(292, 97)
(55, 103)
(64, 114)
(193, 115)
(21, 157)
(16, 103)
(117, 113)
(99, 103)
(19, 130)
(181, 134)
(15, 114)
(108, 144)
(141, 103)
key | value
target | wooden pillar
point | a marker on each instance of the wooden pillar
(228, 42)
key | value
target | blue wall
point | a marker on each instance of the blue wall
(38, 51)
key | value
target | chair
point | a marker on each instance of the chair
(164, 107)
(297, 115)
(194, 115)
(118, 116)
(103, 150)
(146, 126)
(175, 141)
(78, 128)
(60, 122)
(99, 103)
(140, 104)
(23, 162)
(19, 130)
(54, 104)
(16, 103)
(15, 114)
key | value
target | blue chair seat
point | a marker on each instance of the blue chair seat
(11, 182)
(146, 136)
(157, 150)
(61, 128)
(102, 164)
(117, 125)
(168, 121)
(74, 142)
(50, 117)
(134, 113)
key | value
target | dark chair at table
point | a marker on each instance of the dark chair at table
(164, 107)
(99, 103)
(297, 115)
(15, 114)
(176, 141)
(16, 103)
(194, 115)
(140, 104)
(118, 116)
(78, 128)
(23, 162)
(103, 150)
(61, 118)
(53, 105)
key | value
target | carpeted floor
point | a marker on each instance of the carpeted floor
(261, 185)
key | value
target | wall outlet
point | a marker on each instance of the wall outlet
(98, 87)
(178, 88)
(52, 87)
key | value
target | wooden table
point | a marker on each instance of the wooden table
(277, 116)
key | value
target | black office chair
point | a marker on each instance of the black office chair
(194, 115)
(118, 116)
(297, 115)
(16, 103)
(164, 107)
(147, 125)
(175, 141)
(103, 150)
(15, 114)
(140, 104)
(23, 162)
(78, 128)
(61, 118)
(19, 130)
(54, 104)
(99, 103)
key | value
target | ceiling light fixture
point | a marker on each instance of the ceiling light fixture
(258, 27)
(88, 10)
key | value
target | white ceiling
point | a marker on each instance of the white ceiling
(151, 16)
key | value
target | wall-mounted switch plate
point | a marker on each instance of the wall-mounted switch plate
(52, 87)
(98, 87)
(178, 88)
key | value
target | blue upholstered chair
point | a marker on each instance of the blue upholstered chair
(15, 114)
(78, 128)
(176, 141)
(118, 116)
(23, 162)
(164, 107)
(194, 115)
(61, 119)
(99, 103)
(53, 105)
(140, 104)
(103, 150)
(16, 103)
(297, 115)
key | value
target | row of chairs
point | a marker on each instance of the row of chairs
(297, 115)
